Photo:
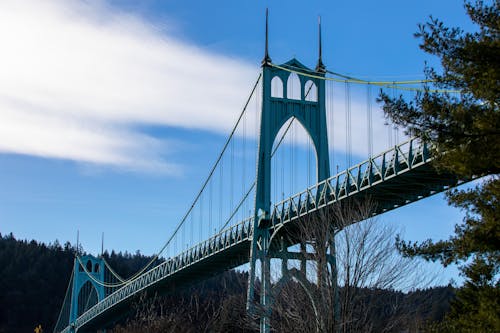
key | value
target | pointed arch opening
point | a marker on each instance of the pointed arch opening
(293, 162)
(89, 266)
(276, 87)
(293, 87)
(295, 293)
(311, 91)
(87, 297)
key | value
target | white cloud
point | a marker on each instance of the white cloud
(77, 77)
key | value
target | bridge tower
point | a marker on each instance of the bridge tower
(85, 290)
(278, 106)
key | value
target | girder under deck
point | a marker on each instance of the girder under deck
(392, 179)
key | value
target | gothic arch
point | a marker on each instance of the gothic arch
(294, 87)
(310, 91)
(87, 297)
(275, 113)
(277, 87)
(302, 127)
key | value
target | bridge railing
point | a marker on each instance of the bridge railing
(375, 170)
(370, 172)
(226, 238)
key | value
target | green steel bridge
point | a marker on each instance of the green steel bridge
(97, 297)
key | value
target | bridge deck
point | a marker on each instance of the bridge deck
(391, 179)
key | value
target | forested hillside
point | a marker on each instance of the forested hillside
(218, 305)
(34, 278)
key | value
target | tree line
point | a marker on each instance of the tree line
(34, 277)
(465, 132)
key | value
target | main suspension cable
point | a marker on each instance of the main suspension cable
(387, 84)
(69, 290)
(212, 170)
(112, 271)
(254, 183)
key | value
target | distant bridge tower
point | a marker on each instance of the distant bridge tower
(282, 99)
(86, 291)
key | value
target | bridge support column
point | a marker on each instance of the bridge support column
(299, 95)
(260, 252)
(323, 293)
(265, 295)
(85, 290)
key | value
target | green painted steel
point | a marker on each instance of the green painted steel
(280, 102)
(85, 270)
(276, 111)
(307, 106)
(392, 179)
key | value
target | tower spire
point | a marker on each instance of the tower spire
(320, 67)
(267, 59)
(77, 242)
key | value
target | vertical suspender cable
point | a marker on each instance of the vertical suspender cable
(231, 178)
(294, 153)
(182, 226)
(243, 200)
(396, 129)
(210, 190)
(283, 173)
(308, 160)
(369, 119)
(346, 97)
(290, 144)
(389, 131)
(348, 124)
(243, 178)
(257, 128)
(389, 128)
(273, 179)
(221, 172)
(331, 133)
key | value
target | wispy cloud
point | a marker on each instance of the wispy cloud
(76, 78)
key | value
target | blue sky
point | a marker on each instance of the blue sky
(112, 112)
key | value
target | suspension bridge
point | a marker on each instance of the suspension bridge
(296, 127)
